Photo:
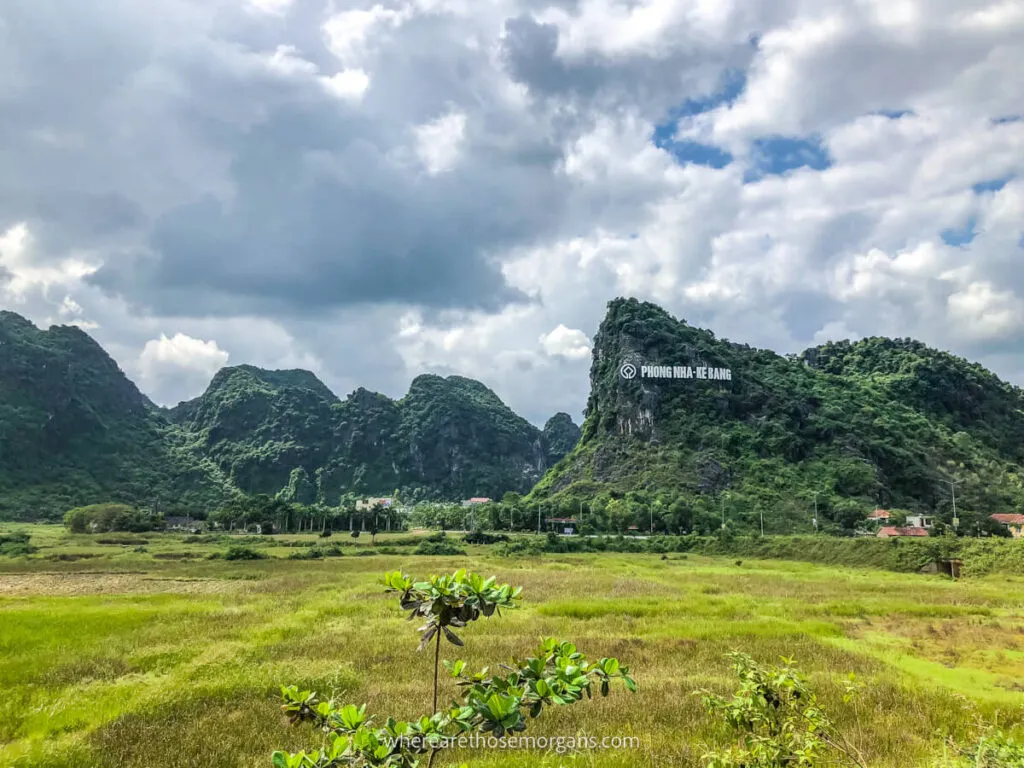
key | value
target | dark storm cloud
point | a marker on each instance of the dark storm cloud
(297, 202)
(321, 217)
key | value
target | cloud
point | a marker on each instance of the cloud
(567, 342)
(438, 142)
(182, 351)
(372, 190)
(178, 363)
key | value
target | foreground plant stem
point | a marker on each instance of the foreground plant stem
(437, 657)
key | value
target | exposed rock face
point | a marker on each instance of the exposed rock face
(680, 419)
(560, 436)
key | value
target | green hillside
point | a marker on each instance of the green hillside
(448, 438)
(75, 430)
(852, 426)
(258, 425)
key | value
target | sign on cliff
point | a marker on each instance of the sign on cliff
(704, 373)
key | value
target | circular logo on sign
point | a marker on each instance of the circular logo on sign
(627, 371)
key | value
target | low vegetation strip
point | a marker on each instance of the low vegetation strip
(978, 556)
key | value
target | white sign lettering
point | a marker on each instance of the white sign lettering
(630, 371)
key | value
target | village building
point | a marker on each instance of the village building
(365, 505)
(1013, 523)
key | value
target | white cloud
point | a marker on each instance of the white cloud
(438, 142)
(27, 274)
(286, 61)
(349, 34)
(272, 7)
(835, 331)
(181, 351)
(170, 368)
(347, 84)
(567, 342)
(980, 312)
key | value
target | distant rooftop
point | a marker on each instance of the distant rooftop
(1008, 519)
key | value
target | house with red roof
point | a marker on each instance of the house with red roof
(880, 514)
(891, 531)
(1014, 524)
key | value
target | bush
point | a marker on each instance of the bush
(317, 553)
(480, 537)
(238, 552)
(496, 706)
(435, 547)
(521, 547)
(16, 545)
(107, 518)
(776, 721)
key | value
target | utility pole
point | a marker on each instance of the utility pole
(538, 519)
(761, 511)
(721, 503)
(511, 518)
(652, 520)
(952, 487)
(815, 520)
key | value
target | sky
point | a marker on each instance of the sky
(374, 190)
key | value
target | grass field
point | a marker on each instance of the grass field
(133, 653)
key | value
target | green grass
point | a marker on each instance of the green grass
(129, 659)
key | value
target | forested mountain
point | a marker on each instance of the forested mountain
(560, 435)
(845, 426)
(850, 426)
(74, 430)
(259, 425)
(448, 438)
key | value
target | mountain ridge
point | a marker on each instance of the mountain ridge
(829, 424)
(249, 431)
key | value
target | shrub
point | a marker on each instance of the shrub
(776, 720)
(239, 552)
(521, 547)
(317, 553)
(438, 548)
(107, 518)
(16, 545)
(496, 705)
(994, 749)
(480, 537)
